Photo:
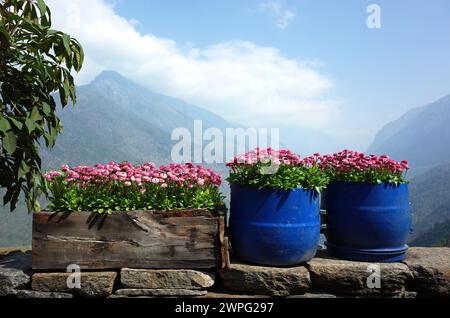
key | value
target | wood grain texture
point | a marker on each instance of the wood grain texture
(136, 239)
(221, 240)
(226, 255)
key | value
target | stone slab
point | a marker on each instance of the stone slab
(273, 281)
(329, 274)
(431, 269)
(93, 284)
(165, 279)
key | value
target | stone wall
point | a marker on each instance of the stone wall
(425, 273)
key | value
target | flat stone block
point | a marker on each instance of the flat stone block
(431, 269)
(357, 278)
(93, 284)
(273, 281)
(165, 279)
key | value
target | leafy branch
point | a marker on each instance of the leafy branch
(35, 62)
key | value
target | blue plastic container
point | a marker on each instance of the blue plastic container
(274, 227)
(367, 222)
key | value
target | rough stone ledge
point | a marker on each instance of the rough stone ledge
(424, 273)
(93, 284)
(329, 274)
(431, 270)
(273, 281)
(165, 279)
(15, 272)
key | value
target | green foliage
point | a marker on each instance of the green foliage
(375, 176)
(115, 196)
(35, 61)
(285, 177)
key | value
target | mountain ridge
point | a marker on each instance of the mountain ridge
(421, 136)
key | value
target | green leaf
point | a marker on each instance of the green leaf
(35, 115)
(42, 7)
(23, 169)
(66, 43)
(31, 125)
(79, 55)
(46, 108)
(36, 206)
(4, 125)
(10, 142)
(16, 122)
(50, 137)
(29, 204)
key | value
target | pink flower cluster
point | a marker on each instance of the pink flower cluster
(268, 155)
(147, 173)
(344, 161)
(349, 160)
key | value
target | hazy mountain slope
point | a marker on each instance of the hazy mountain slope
(430, 200)
(159, 110)
(394, 127)
(421, 136)
(438, 235)
(116, 119)
(99, 129)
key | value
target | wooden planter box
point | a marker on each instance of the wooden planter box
(137, 239)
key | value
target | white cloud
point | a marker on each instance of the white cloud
(135, 22)
(282, 16)
(243, 82)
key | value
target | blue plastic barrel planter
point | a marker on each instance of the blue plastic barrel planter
(367, 222)
(274, 227)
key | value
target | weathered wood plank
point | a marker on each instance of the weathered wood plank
(137, 239)
(222, 239)
(226, 256)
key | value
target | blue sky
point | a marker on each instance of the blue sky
(364, 77)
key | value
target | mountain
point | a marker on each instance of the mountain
(430, 203)
(116, 119)
(421, 136)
